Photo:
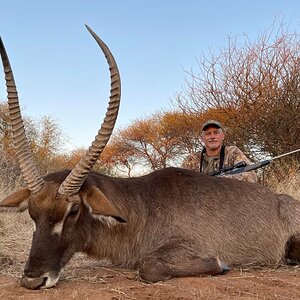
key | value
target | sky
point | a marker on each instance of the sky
(60, 71)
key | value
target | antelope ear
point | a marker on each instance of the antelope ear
(16, 202)
(99, 204)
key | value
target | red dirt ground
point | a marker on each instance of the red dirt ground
(105, 283)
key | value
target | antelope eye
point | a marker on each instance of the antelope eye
(74, 210)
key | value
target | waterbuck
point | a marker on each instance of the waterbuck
(170, 223)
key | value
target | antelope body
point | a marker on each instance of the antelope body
(170, 223)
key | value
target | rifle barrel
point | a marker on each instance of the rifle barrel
(285, 154)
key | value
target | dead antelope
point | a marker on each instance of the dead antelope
(170, 223)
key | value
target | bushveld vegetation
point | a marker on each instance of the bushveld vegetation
(252, 87)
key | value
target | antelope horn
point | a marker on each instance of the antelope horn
(29, 171)
(75, 179)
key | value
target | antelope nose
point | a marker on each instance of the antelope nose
(33, 283)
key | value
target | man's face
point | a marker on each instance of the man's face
(212, 137)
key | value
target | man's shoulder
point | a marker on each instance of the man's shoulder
(232, 150)
(192, 161)
(235, 154)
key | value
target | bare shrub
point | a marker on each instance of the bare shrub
(255, 86)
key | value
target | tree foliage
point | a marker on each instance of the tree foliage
(153, 143)
(44, 137)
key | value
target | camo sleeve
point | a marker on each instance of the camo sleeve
(233, 155)
(192, 162)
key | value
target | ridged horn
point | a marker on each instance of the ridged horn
(75, 179)
(29, 171)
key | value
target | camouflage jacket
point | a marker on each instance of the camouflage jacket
(233, 155)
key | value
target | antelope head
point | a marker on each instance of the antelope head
(58, 206)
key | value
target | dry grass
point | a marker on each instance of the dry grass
(284, 178)
(15, 240)
(290, 186)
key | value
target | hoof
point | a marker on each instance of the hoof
(224, 268)
(292, 262)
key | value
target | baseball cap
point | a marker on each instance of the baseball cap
(211, 123)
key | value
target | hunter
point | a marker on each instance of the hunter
(215, 155)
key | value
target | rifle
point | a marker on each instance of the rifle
(241, 166)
